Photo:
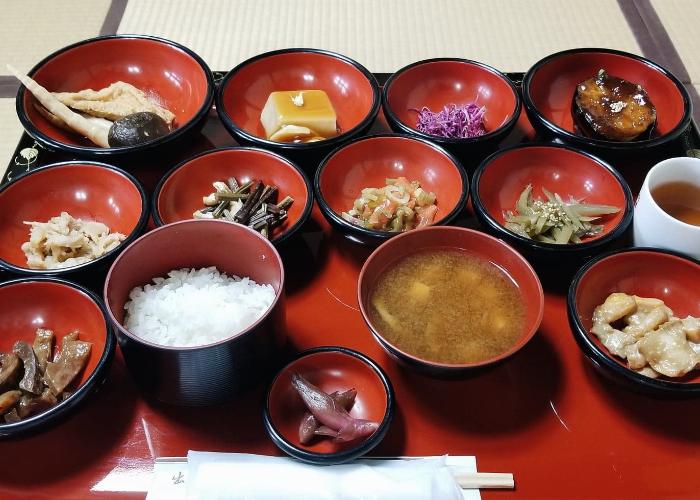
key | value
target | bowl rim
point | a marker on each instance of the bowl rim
(400, 353)
(179, 132)
(138, 229)
(303, 217)
(232, 127)
(68, 405)
(598, 355)
(493, 224)
(362, 447)
(168, 348)
(375, 233)
(602, 143)
(405, 128)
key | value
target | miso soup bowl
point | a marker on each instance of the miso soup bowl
(549, 86)
(647, 272)
(39, 302)
(352, 89)
(470, 242)
(436, 83)
(330, 369)
(86, 190)
(169, 73)
(212, 373)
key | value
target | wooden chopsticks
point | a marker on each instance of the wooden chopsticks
(484, 480)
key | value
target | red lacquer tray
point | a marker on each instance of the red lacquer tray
(544, 415)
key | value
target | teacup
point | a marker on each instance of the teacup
(653, 227)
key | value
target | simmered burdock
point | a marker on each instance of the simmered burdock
(31, 381)
(614, 109)
(10, 371)
(43, 347)
(33, 378)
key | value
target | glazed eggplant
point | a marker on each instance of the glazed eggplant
(610, 108)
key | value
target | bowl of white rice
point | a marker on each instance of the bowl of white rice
(198, 309)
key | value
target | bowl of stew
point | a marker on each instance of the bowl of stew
(448, 301)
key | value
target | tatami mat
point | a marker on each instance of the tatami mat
(681, 18)
(384, 35)
(10, 132)
(32, 29)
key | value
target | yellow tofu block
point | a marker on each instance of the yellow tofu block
(303, 108)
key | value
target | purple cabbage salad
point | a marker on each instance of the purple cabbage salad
(455, 122)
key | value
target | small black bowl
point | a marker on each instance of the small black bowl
(352, 89)
(62, 306)
(436, 83)
(648, 272)
(179, 77)
(549, 86)
(330, 369)
(499, 180)
(368, 161)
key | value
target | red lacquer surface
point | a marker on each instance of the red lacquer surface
(544, 415)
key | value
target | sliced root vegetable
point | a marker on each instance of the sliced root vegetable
(76, 122)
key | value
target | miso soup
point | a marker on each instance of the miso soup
(447, 306)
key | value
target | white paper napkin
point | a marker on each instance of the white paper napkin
(243, 476)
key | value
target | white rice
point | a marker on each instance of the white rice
(193, 307)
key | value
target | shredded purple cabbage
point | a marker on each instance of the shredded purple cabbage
(456, 122)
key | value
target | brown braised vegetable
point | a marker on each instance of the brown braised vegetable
(10, 371)
(8, 400)
(31, 381)
(43, 347)
(31, 405)
(614, 109)
(74, 355)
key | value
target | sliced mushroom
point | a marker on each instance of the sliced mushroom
(10, 371)
(8, 400)
(43, 347)
(74, 356)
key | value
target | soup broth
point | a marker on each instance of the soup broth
(447, 306)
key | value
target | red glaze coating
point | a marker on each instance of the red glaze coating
(471, 242)
(181, 193)
(246, 92)
(59, 307)
(329, 371)
(437, 83)
(647, 274)
(559, 170)
(84, 190)
(553, 85)
(368, 162)
(165, 73)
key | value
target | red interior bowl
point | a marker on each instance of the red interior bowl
(549, 86)
(169, 73)
(644, 272)
(28, 304)
(180, 192)
(368, 161)
(330, 369)
(500, 180)
(351, 88)
(471, 242)
(86, 190)
(437, 82)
